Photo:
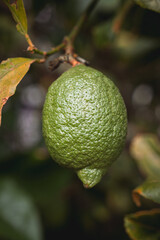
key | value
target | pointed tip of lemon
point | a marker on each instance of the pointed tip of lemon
(90, 176)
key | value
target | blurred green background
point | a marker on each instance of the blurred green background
(38, 199)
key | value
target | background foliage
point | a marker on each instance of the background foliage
(40, 200)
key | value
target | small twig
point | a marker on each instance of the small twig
(31, 45)
(41, 60)
(68, 58)
(36, 50)
(69, 50)
(119, 19)
(76, 29)
(68, 41)
(55, 49)
(31, 48)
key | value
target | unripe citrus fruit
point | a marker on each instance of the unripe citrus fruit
(84, 122)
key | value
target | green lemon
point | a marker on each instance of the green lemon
(84, 122)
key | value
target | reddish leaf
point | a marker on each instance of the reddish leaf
(149, 190)
(143, 225)
(11, 73)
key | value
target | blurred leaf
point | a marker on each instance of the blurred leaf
(103, 5)
(18, 12)
(18, 217)
(108, 5)
(11, 73)
(149, 190)
(44, 180)
(146, 151)
(10, 40)
(150, 4)
(144, 225)
(125, 43)
(129, 45)
(52, 181)
(103, 34)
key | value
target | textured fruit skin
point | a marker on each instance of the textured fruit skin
(84, 122)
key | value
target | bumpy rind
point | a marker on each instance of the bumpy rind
(84, 122)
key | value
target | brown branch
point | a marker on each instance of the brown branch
(120, 17)
(76, 29)
(68, 41)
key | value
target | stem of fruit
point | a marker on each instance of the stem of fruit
(68, 41)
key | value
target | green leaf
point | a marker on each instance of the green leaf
(146, 151)
(144, 225)
(18, 12)
(149, 190)
(149, 4)
(18, 216)
(109, 5)
(103, 34)
(11, 73)
(131, 46)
